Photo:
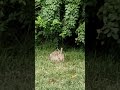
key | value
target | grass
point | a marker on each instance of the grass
(16, 68)
(67, 75)
(102, 72)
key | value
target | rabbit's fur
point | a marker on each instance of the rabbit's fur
(57, 55)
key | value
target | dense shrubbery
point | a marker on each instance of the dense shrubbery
(110, 14)
(16, 17)
(14, 11)
(81, 33)
(59, 18)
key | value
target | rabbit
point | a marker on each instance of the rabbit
(57, 55)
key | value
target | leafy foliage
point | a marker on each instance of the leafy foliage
(47, 21)
(71, 15)
(50, 23)
(14, 10)
(16, 19)
(81, 33)
(110, 14)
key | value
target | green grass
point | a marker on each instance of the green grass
(16, 69)
(102, 72)
(67, 75)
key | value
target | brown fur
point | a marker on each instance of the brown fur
(57, 55)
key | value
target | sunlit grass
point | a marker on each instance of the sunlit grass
(67, 75)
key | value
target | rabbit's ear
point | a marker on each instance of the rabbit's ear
(61, 50)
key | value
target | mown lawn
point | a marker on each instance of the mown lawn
(67, 75)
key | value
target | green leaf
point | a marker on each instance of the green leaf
(106, 31)
(112, 17)
(109, 34)
(115, 30)
(115, 36)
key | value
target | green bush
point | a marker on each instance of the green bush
(50, 23)
(81, 33)
(110, 14)
(14, 10)
(16, 20)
